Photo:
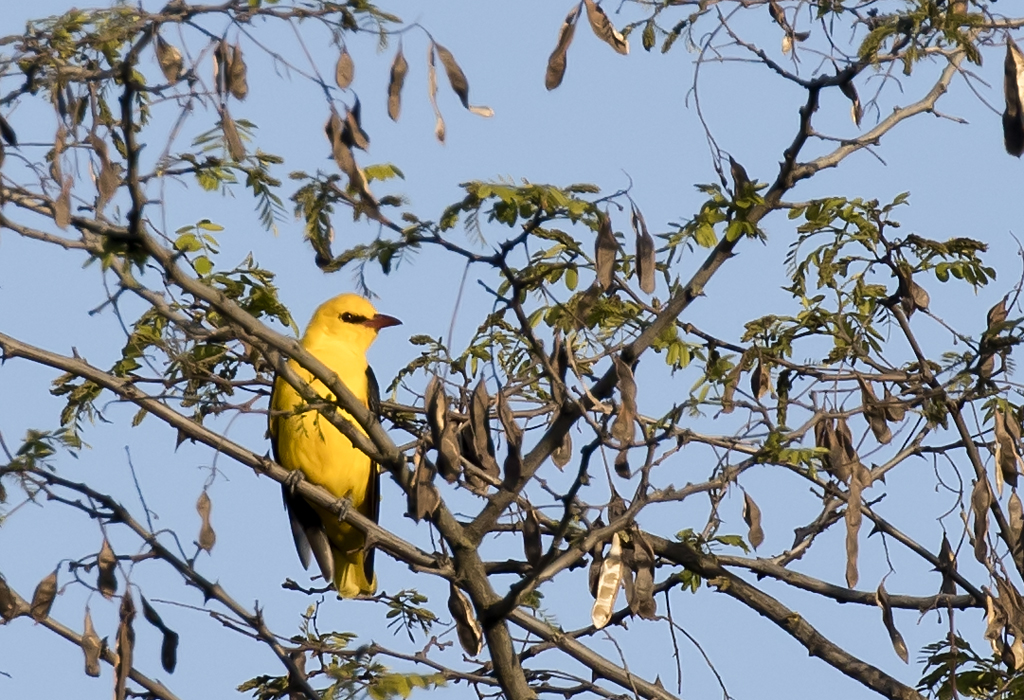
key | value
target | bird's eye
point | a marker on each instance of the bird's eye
(348, 318)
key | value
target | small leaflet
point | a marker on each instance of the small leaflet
(106, 581)
(605, 248)
(345, 70)
(399, 68)
(752, 517)
(557, 61)
(471, 636)
(1013, 88)
(608, 584)
(207, 537)
(42, 597)
(172, 65)
(91, 647)
(898, 645)
(856, 110)
(603, 28)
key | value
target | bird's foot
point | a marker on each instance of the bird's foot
(292, 481)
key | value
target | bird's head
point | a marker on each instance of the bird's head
(349, 319)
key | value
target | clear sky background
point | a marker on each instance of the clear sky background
(614, 120)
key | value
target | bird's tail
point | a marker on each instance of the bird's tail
(350, 574)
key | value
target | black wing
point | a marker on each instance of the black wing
(373, 487)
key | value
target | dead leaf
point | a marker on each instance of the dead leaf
(752, 517)
(106, 581)
(981, 501)
(345, 70)
(898, 645)
(42, 597)
(646, 263)
(605, 248)
(399, 68)
(608, 584)
(91, 647)
(207, 537)
(1013, 89)
(557, 59)
(603, 28)
(125, 645)
(471, 636)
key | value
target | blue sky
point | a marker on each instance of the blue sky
(613, 120)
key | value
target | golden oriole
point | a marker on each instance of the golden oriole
(339, 335)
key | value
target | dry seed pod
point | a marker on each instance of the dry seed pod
(399, 68)
(895, 411)
(557, 60)
(856, 110)
(752, 517)
(125, 645)
(172, 65)
(207, 537)
(1006, 456)
(603, 28)
(352, 131)
(232, 139)
(997, 316)
(62, 205)
(1013, 88)
(345, 70)
(645, 258)
(106, 581)
(42, 597)
(532, 546)
(513, 433)
(7, 132)
(605, 248)
(622, 464)
(456, 78)
(981, 501)
(480, 428)
(624, 426)
(221, 62)
(91, 646)
(471, 636)
(9, 606)
(947, 560)
(608, 584)
(641, 601)
(740, 179)
(562, 454)
(853, 521)
(1015, 514)
(874, 413)
(423, 497)
(995, 621)
(237, 83)
(169, 647)
(898, 645)
(760, 379)
(432, 94)
(596, 562)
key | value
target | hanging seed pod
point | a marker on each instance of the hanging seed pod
(645, 257)
(471, 636)
(399, 68)
(1013, 89)
(207, 536)
(898, 645)
(604, 251)
(345, 70)
(947, 564)
(91, 647)
(557, 60)
(172, 65)
(603, 28)
(423, 497)
(42, 597)
(641, 601)
(532, 546)
(169, 647)
(237, 72)
(752, 517)
(106, 581)
(981, 501)
(608, 584)
(125, 645)
(624, 427)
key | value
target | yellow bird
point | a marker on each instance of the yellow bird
(339, 335)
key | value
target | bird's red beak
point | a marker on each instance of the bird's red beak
(381, 321)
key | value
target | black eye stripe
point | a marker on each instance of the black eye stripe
(352, 318)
